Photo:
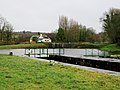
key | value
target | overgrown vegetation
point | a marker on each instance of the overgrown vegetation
(19, 73)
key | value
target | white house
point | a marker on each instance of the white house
(41, 38)
(44, 38)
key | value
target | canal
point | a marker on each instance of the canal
(67, 52)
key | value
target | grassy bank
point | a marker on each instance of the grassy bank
(19, 73)
(89, 45)
(113, 48)
(21, 46)
(79, 45)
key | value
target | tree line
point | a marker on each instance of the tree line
(69, 31)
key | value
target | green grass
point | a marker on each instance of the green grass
(89, 45)
(113, 48)
(19, 46)
(19, 73)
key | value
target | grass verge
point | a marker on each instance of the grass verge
(112, 48)
(19, 73)
(22, 46)
(89, 45)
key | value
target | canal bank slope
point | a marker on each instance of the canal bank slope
(24, 73)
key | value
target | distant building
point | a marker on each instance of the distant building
(40, 39)
(43, 38)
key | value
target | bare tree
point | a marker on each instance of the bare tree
(6, 30)
(63, 22)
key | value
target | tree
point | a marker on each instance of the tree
(90, 35)
(103, 37)
(63, 23)
(23, 36)
(111, 25)
(2, 27)
(35, 39)
(82, 33)
(70, 28)
(73, 32)
(6, 30)
(60, 35)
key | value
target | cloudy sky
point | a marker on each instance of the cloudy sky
(43, 15)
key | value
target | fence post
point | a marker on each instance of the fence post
(34, 53)
(40, 52)
(29, 52)
(47, 52)
(25, 51)
(92, 52)
(59, 51)
(85, 52)
(98, 52)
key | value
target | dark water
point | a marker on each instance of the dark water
(68, 52)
